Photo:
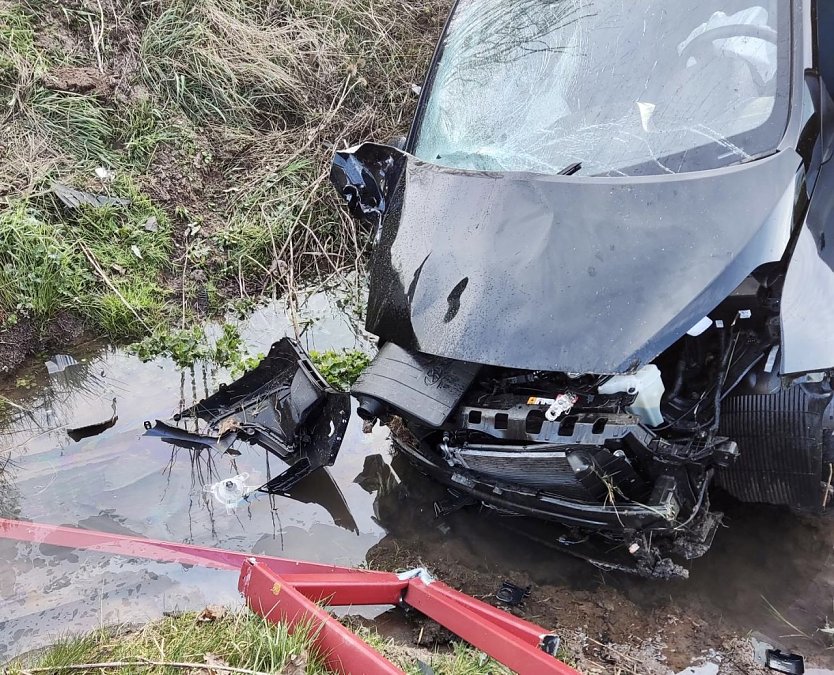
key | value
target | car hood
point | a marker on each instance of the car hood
(562, 273)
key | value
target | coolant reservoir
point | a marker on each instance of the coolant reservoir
(648, 385)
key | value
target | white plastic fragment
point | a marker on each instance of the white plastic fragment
(59, 363)
(771, 359)
(420, 573)
(103, 173)
(560, 406)
(230, 491)
(700, 327)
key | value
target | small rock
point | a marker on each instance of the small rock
(211, 613)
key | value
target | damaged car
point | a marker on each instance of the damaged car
(603, 272)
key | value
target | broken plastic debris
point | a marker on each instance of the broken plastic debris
(561, 405)
(103, 173)
(230, 491)
(136, 251)
(179, 437)
(151, 224)
(782, 662)
(59, 363)
(79, 433)
(75, 198)
(511, 594)
(700, 327)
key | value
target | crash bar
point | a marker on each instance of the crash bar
(281, 589)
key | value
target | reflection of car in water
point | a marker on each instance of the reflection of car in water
(603, 279)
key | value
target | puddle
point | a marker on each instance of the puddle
(120, 481)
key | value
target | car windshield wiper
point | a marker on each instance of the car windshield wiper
(570, 169)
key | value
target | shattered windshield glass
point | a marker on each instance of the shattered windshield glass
(607, 87)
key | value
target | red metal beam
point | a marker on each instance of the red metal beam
(153, 549)
(274, 598)
(340, 590)
(523, 630)
(281, 589)
(481, 632)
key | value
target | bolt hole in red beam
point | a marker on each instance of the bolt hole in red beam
(282, 589)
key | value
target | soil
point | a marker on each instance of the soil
(81, 80)
(601, 630)
(24, 339)
(607, 623)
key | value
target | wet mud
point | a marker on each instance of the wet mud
(769, 573)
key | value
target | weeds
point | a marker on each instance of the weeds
(237, 639)
(225, 110)
(341, 368)
(189, 345)
(223, 65)
(240, 640)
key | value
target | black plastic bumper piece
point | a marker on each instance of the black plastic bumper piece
(285, 406)
(425, 387)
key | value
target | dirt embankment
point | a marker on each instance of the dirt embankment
(223, 115)
(602, 631)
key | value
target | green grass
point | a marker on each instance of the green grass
(340, 368)
(97, 262)
(225, 113)
(238, 639)
(77, 123)
(241, 640)
(18, 56)
(139, 128)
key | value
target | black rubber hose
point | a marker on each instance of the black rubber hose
(722, 369)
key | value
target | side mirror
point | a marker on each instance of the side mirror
(365, 175)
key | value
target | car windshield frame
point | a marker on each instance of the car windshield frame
(746, 145)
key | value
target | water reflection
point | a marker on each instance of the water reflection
(120, 481)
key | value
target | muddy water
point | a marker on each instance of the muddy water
(123, 482)
(768, 572)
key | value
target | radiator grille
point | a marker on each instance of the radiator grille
(780, 439)
(544, 470)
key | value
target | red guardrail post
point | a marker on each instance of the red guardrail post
(275, 599)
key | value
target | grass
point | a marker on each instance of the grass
(237, 639)
(98, 262)
(76, 123)
(220, 117)
(240, 640)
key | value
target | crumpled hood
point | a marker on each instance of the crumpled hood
(572, 274)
